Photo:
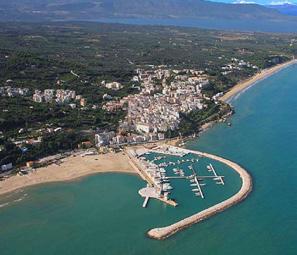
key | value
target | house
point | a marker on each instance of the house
(85, 145)
(161, 136)
(142, 127)
(30, 164)
(114, 85)
(104, 138)
(83, 102)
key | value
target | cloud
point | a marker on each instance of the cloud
(244, 2)
(282, 2)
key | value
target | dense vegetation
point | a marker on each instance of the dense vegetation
(51, 144)
(37, 55)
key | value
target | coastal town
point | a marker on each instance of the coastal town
(152, 114)
(153, 171)
(164, 95)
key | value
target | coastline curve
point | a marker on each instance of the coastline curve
(264, 74)
(162, 233)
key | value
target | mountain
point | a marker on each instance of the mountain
(170, 12)
(134, 8)
(287, 9)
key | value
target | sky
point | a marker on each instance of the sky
(258, 1)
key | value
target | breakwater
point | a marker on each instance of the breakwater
(246, 187)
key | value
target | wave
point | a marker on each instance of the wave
(236, 96)
(14, 201)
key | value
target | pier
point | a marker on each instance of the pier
(217, 178)
(152, 174)
(167, 231)
(145, 202)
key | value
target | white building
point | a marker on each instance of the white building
(142, 127)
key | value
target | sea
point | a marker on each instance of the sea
(206, 23)
(103, 214)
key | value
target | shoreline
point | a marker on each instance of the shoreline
(73, 168)
(241, 86)
(70, 169)
(246, 187)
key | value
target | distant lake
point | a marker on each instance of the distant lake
(222, 24)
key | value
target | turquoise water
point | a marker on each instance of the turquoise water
(102, 214)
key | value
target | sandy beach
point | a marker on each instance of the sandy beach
(253, 80)
(71, 168)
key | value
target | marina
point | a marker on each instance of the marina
(159, 185)
(246, 188)
(159, 175)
